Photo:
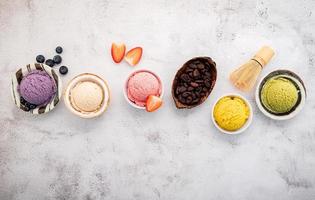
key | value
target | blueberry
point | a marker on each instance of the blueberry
(26, 108)
(63, 70)
(59, 49)
(22, 100)
(50, 62)
(57, 59)
(40, 59)
(32, 106)
(26, 104)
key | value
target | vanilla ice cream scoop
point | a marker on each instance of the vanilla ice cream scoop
(87, 95)
(231, 113)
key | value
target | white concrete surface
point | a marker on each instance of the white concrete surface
(170, 154)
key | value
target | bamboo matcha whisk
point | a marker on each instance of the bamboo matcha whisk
(245, 77)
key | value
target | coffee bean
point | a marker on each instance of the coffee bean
(190, 89)
(204, 89)
(186, 94)
(207, 64)
(192, 66)
(189, 70)
(193, 84)
(196, 100)
(198, 89)
(177, 91)
(189, 100)
(199, 81)
(207, 83)
(185, 77)
(180, 89)
(181, 99)
(196, 73)
(200, 66)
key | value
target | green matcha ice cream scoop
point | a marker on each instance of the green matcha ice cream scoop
(279, 95)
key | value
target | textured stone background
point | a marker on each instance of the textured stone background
(170, 154)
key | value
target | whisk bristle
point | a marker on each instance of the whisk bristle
(246, 76)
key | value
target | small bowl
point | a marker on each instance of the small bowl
(245, 126)
(87, 77)
(133, 104)
(23, 71)
(302, 94)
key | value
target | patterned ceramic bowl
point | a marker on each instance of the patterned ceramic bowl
(22, 72)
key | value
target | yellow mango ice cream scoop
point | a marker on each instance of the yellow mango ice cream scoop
(231, 113)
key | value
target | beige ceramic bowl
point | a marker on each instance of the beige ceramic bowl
(87, 77)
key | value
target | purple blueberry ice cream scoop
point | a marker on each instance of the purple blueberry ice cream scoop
(37, 87)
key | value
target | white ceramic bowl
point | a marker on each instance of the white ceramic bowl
(87, 77)
(293, 77)
(126, 85)
(245, 126)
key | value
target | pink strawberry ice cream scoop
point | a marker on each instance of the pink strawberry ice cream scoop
(37, 87)
(142, 84)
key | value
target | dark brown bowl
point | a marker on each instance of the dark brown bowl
(194, 82)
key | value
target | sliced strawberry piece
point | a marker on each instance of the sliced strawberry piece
(118, 52)
(153, 103)
(133, 56)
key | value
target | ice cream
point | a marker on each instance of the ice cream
(37, 87)
(87, 96)
(279, 94)
(142, 84)
(231, 113)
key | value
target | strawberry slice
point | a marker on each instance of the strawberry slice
(133, 56)
(153, 103)
(118, 52)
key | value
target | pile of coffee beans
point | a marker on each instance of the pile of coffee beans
(194, 81)
(55, 61)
